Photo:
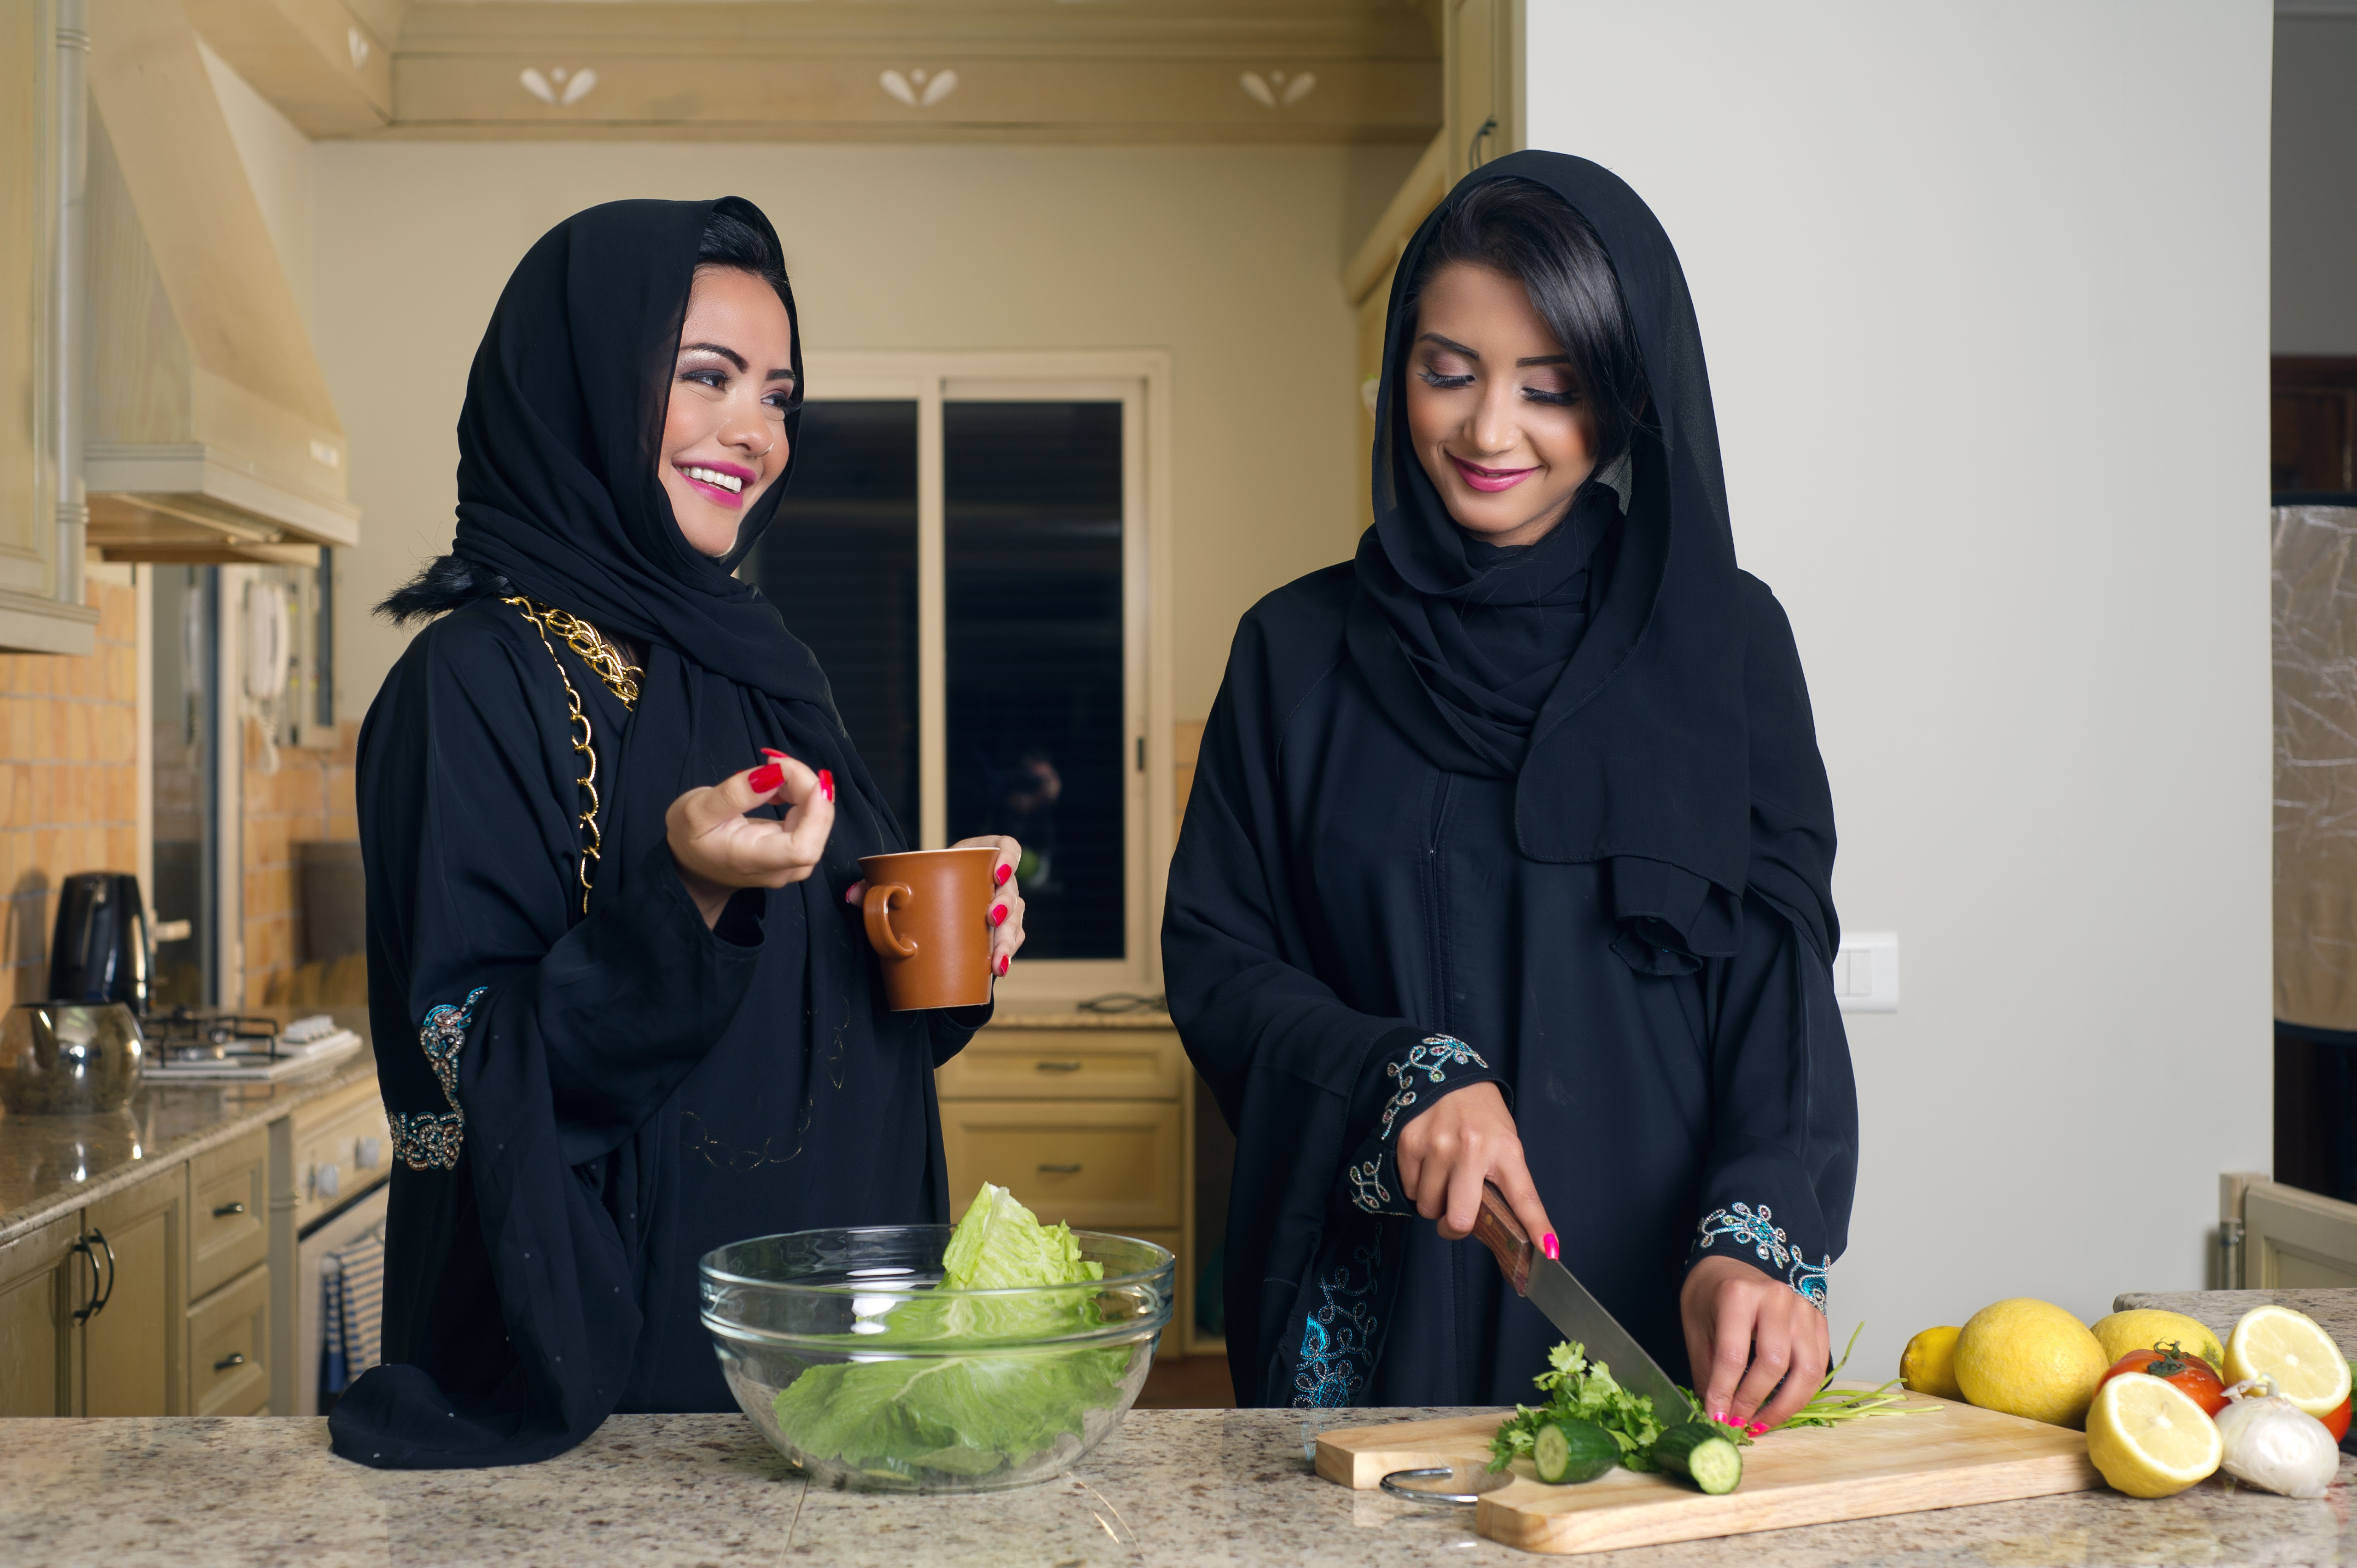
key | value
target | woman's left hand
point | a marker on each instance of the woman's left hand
(1005, 910)
(1747, 1332)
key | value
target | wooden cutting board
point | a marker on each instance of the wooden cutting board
(1861, 1469)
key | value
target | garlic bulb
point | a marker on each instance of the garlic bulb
(2272, 1443)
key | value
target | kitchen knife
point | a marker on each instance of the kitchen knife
(1577, 1316)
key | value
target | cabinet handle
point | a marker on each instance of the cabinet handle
(1058, 1067)
(82, 1245)
(1060, 1170)
(222, 1211)
(100, 1304)
(234, 1359)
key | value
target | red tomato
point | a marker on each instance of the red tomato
(2337, 1423)
(2188, 1371)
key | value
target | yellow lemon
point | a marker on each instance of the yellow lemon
(2147, 1328)
(2307, 1366)
(2030, 1358)
(1928, 1366)
(2148, 1438)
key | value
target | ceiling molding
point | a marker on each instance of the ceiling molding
(927, 71)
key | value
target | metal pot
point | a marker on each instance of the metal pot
(62, 1057)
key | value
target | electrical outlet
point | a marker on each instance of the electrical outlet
(1865, 971)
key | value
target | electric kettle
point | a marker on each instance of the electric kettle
(101, 952)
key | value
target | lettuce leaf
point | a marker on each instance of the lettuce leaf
(965, 1414)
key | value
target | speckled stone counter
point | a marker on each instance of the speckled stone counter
(50, 1166)
(1170, 1487)
(2336, 1310)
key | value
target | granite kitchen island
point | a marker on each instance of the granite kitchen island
(1170, 1487)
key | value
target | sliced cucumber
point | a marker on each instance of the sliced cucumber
(1569, 1451)
(1708, 1458)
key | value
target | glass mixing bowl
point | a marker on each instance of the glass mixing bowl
(853, 1364)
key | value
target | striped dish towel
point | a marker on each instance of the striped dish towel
(351, 1279)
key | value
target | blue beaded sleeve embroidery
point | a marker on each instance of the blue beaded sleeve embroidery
(1339, 1336)
(1432, 1058)
(1759, 1230)
(429, 1139)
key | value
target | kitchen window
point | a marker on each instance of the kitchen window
(969, 546)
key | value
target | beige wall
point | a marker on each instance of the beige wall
(1984, 294)
(1227, 257)
(2314, 213)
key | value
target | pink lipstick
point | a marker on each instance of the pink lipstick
(701, 478)
(1489, 480)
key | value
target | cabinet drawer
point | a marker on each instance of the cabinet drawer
(340, 1156)
(1102, 1165)
(229, 1201)
(1066, 1064)
(229, 1342)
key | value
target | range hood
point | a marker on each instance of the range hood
(209, 436)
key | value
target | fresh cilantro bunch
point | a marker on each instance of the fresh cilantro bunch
(1585, 1391)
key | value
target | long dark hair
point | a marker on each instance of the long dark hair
(1521, 229)
(446, 581)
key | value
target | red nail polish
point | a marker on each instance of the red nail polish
(1003, 872)
(1756, 1429)
(766, 777)
(998, 915)
(1004, 965)
(1548, 1244)
(771, 751)
(1720, 1416)
(827, 782)
(851, 894)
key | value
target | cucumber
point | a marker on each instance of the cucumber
(1569, 1451)
(1708, 1457)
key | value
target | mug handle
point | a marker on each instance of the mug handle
(882, 899)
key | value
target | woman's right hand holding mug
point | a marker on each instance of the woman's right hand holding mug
(719, 849)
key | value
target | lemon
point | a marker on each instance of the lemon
(2148, 1328)
(1928, 1366)
(2148, 1437)
(2307, 1366)
(2030, 1358)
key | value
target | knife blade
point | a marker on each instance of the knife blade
(1576, 1315)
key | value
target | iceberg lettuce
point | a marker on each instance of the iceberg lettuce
(966, 1415)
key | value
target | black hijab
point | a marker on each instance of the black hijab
(560, 494)
(1661, 728)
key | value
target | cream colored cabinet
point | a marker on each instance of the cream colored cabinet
(1480, 98)
(1091, 1125)
(44, 1277)
(229, 1208)
(131, 1340)
(228, 1348)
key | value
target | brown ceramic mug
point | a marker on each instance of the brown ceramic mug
(928, 920)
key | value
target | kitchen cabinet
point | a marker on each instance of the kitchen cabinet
(1088, 1123)
(229, 1204)
(131, 1340)
(40, 1273)
(1480, 100)
(229, 1348)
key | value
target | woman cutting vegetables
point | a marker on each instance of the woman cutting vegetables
(1508, 861)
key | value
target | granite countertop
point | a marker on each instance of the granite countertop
(2220, 1310)
(51, 1165)
(1168, 1487)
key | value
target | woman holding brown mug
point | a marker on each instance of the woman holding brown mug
(624, 1001)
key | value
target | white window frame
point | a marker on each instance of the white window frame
(1139, 380)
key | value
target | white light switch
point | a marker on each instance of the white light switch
(1865, 971)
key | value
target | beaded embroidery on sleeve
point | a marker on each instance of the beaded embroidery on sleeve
(1769, 1244)
(429, 1139)
(1432, 1058)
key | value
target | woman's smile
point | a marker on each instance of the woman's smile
(1490, 479)
(720, 483)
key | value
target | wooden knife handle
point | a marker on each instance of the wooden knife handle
(1496, 1229)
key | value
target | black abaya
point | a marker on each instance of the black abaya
(585, 1102)
(1565, 831)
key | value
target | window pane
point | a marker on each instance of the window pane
(840, 564)
(186, 672)
(1032, 551)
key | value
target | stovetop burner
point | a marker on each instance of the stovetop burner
(190, 1034)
